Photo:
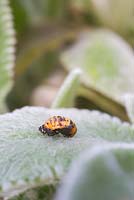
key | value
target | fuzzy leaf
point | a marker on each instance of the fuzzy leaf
(101, 173)
(28, 159)
(67, 92)
(107, 61)
(6, 51)
(128, 100)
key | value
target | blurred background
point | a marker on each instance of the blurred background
(51, 37)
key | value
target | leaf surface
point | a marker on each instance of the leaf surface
(106, 59)
(66, 95)
(28, 159)
(101, 173)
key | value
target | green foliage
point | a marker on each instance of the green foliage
(68, 91)
(29, 159)
(20, 16)
(33, 13)
(6, 51)
(101, 173)
(32, 164)
(107, 61)
(40, 193)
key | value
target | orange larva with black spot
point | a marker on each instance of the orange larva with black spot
(59, 124)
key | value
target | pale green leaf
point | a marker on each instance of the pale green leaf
(101, 173)
(128, 100)
(66, 95)
(7, 42)
(107, 61)
(28, 159)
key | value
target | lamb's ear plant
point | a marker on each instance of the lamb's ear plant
(34, 163)
(29, 159)
(7, 41)
(101, 173)
(106, 60)
(68, 91)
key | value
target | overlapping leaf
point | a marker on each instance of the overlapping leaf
(29, 159)
(101, 173)
(66, 95)
(107, 60)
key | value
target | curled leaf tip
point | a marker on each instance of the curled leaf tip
(68, 90)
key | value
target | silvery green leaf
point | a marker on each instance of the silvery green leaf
(101, 173)
(67, 92)
(29, 159)
(107, 61)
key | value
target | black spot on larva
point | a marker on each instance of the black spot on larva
(71, 122)
(61, 119)
(55, 118)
